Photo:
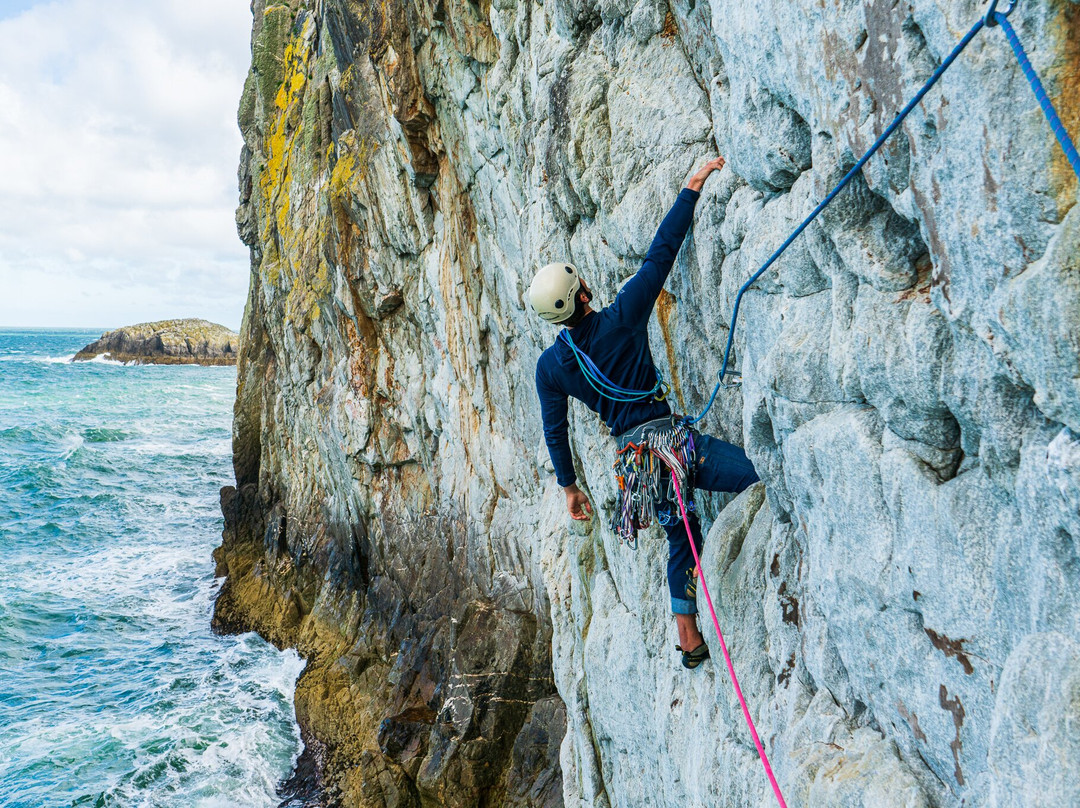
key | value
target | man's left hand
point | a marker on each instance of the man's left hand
(577, 503)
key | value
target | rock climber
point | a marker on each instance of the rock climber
(602, 358)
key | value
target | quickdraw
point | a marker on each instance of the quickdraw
(650, 454)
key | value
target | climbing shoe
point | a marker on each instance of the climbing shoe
(691, 659)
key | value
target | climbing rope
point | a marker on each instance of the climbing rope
(992, 17)
(603, 385)
(1037, 88)
(723, 647)
(640, 469)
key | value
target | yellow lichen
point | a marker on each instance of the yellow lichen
(294, 183)
(354, 155)
(275, 177)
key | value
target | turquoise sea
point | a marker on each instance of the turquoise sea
(113, 690)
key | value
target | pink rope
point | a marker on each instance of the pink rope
(727, 657)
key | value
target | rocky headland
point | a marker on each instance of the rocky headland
(901, 594)
(166, 342)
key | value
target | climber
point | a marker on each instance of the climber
(602, 358)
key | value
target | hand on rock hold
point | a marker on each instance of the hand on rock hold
(698, 180)
(577, 503)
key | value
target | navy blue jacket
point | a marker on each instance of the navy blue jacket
(617, 339)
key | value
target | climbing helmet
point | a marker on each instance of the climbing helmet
(553, 290)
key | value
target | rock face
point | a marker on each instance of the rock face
(901, 593)
(166, 342)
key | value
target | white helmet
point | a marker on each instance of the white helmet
(553, 290)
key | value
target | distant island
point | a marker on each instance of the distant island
(166, 342)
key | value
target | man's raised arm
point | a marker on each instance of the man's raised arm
(635, 300)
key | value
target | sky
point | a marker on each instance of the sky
(118, 157)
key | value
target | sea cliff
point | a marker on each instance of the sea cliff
(900, 594)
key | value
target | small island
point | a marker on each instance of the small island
(166, 342)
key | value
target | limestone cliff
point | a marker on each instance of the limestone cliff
(900, 595)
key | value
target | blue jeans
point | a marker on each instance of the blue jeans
(719, 466)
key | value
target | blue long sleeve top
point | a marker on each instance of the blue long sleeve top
(616, 337)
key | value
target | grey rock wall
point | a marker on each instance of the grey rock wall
(900, 593)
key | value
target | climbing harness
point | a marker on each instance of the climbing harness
(649, 453)
(604, 386)
(992, 18)
(723, 647)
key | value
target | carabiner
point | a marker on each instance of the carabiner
(989, 20)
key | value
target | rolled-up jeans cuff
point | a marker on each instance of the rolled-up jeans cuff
(680, 606)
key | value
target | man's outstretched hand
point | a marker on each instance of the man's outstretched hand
(698, 180)
(577, 503)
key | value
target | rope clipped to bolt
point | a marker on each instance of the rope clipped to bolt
(992, 18)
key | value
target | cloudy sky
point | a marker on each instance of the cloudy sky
(118, 155)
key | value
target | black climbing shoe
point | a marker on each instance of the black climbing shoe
(691, 659)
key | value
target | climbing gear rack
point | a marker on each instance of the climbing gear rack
(649, 453)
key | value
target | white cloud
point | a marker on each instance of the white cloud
(118, 153)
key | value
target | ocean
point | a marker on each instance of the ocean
(113, 690)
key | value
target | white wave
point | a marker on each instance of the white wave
(225, 738)
(39, 359)
(120, 593)
(70, 444)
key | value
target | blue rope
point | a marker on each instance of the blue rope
(1044, 100)
(602, 384)
(892, 127)
(992, 17)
